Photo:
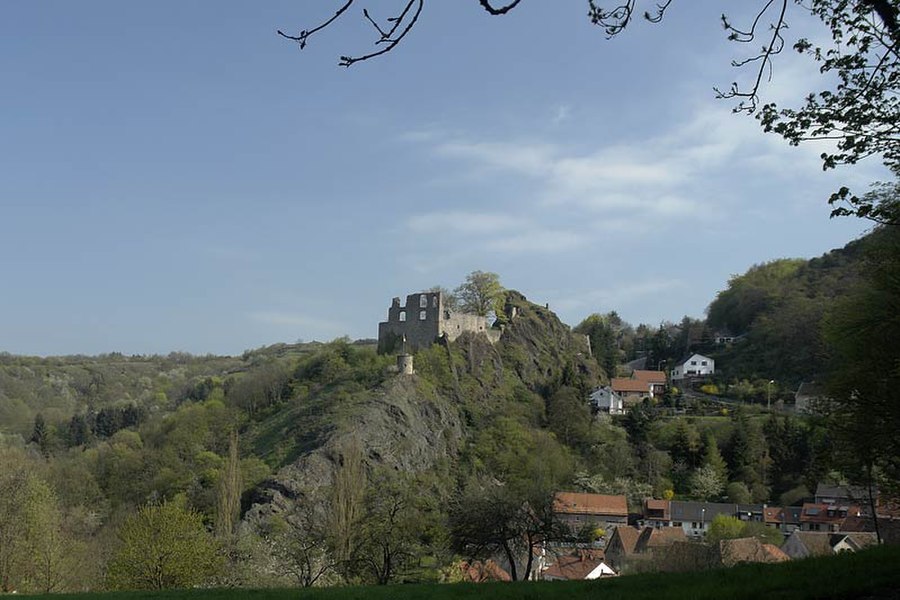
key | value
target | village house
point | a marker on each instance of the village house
(630, 545)
(582, 564)
(656, 513)
(826, 517)
(695, 365)
(839, 494)
(654, 539)
(605, 400)
(786, 520)
(621, 546)
(642, 384)
(696, 517)
(631, 391)
(577, 510)
(656, 381)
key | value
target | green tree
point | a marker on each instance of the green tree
(724, 527)
(569, 417)
(40, 434)
(737, 493)
(228, 498)
(748, 456)
(480, 293)
(685, 446)
(707, 484)
(34, 552)
(601, 331)
(395, 527)
(300, 541)
(713, 458)
(762, 532)
(865, 380)
(347, 504)
(490, 519)
(164, 546)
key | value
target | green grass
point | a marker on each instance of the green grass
(873, 574)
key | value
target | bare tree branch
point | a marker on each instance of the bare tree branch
(303, 35)
(486, 5)
(774, 46)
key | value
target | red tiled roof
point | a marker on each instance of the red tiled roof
(773, 514)
(819, 513)
(575, 566)
(590, 504)
(649, 376)
(775, 553)
(653, 537)
(748, 550)
(621, 384)
(628, 537)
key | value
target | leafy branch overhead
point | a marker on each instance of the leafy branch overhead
(860, 115)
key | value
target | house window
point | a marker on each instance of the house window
(402, 315)
(703, 362)
(423, 314)
(693, 363)
(423, 301)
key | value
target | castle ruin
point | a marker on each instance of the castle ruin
(422, 321)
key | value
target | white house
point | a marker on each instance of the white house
(604, 399)
(695, 365)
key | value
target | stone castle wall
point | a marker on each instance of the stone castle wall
(423, 320)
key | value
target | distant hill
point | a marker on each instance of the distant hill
(778, 308)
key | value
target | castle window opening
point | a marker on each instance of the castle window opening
(423, 314)
(423, 301)
(402, 315)
(434, 301)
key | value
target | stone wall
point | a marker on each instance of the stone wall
(422, 319)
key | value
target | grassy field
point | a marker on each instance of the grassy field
(873, 574)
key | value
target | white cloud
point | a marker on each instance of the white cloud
(713, 167)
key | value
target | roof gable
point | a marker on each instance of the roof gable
(625, 538)
(693, 356)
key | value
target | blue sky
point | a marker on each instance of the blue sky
(174, 176)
